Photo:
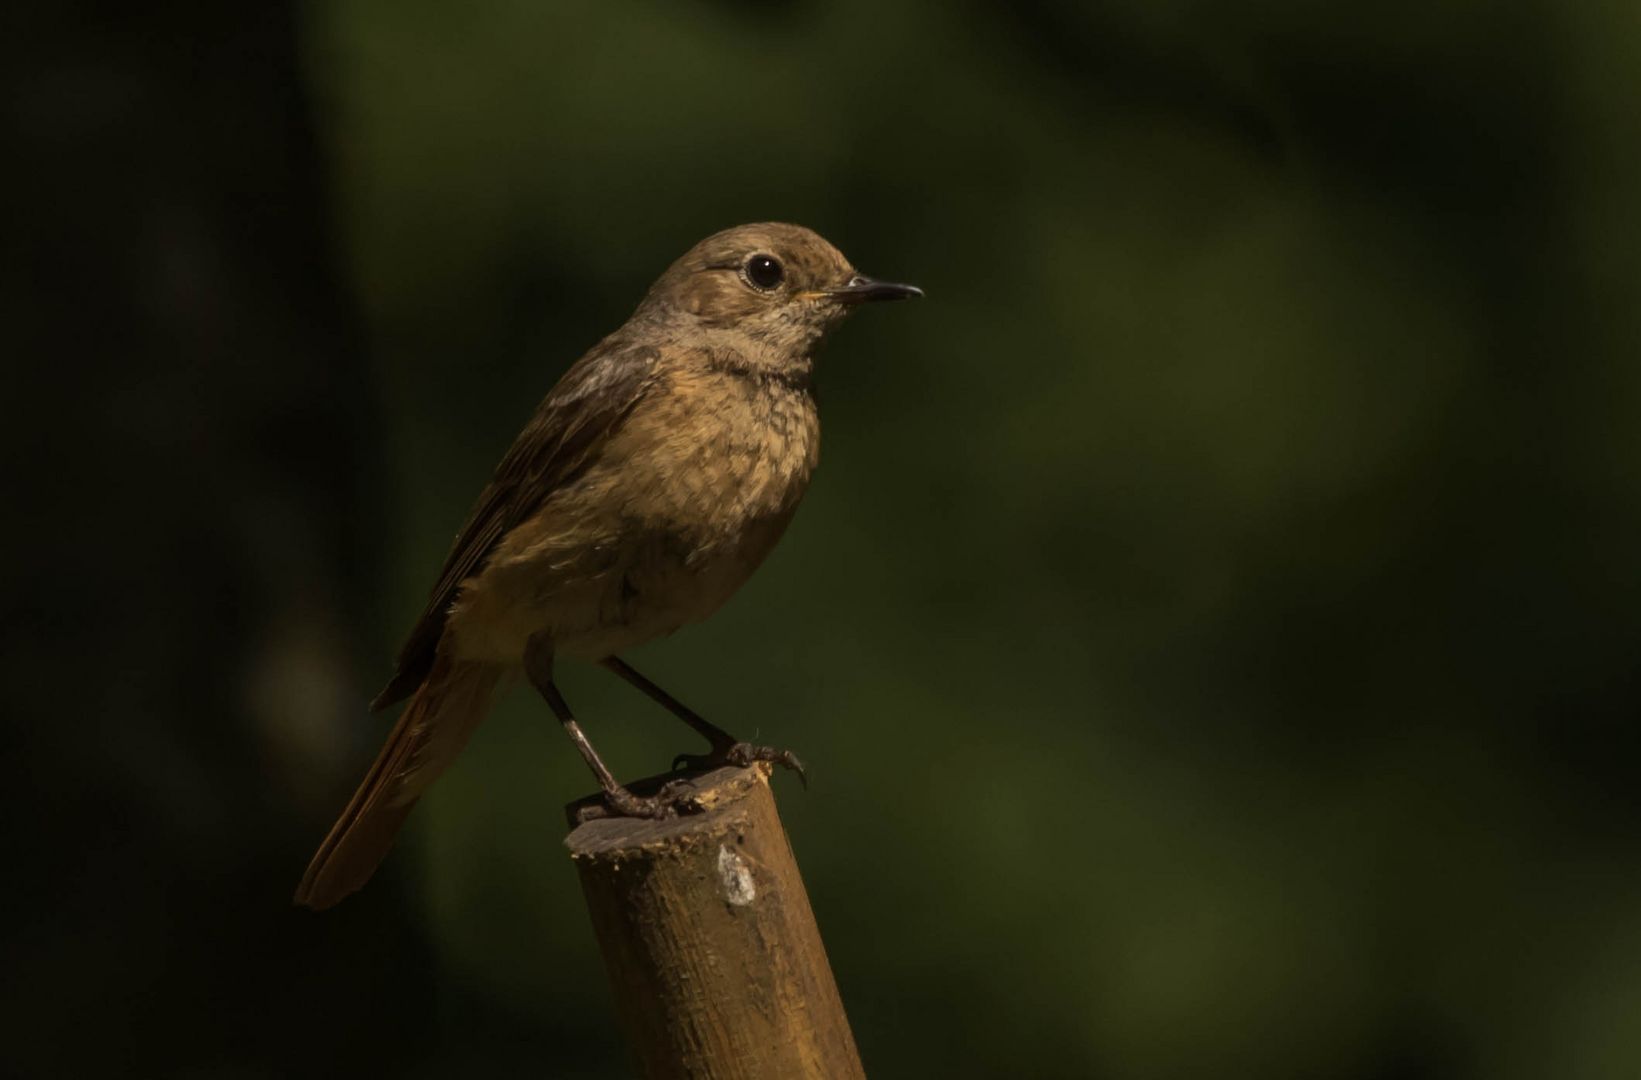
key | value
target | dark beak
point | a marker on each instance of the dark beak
(861, 289)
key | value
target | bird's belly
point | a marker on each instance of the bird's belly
(603, 598)
(657, 592)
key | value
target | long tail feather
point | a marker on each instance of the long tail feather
(430, 733)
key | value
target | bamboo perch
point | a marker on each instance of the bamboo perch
(716, 964)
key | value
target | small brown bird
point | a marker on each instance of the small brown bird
(649, 484)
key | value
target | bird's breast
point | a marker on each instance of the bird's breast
(710, 453)
(681, 506)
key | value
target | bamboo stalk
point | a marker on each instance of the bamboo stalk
(713, 954)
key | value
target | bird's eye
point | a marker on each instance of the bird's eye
(764, 271)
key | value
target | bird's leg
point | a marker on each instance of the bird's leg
(726, 748)
(538, 665)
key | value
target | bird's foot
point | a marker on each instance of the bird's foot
(674, 798)
(742, 754)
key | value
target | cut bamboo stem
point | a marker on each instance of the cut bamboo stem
(712, 950)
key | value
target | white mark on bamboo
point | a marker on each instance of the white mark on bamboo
(739, 888)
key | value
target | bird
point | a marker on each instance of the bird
(649, 484)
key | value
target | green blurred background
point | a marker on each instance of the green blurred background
(1215, 630)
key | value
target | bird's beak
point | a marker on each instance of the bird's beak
(861, 289)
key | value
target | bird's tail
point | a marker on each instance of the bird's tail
(430, 733)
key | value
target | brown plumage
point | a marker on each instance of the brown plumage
(429, 734)
(649, 484)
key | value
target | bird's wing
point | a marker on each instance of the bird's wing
(563, 437)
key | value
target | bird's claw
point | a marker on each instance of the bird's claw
(742, 754)
(674, 798)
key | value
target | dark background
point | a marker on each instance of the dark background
(1215, 629)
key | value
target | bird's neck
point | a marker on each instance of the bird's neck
(782, 375)
(784, 362)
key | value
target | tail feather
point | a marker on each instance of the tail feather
(433, 729)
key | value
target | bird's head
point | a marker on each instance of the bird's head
(782, 286)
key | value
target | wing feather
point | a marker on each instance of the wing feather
(565, 435)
